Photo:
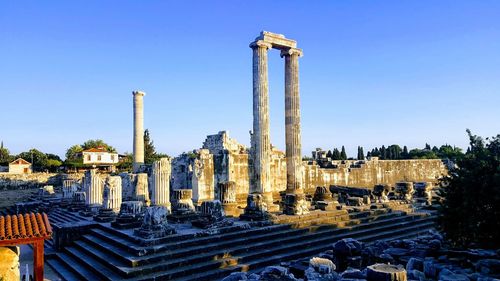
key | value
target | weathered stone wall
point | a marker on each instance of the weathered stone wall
(203, 177)
(371, 172)
(23, 181)
(223, 160)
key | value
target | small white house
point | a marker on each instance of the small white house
(20, 166)
(99, 157)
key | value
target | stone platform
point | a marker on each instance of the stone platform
(105, 253)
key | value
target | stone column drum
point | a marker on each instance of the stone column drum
(295, 193)
(93, 187)
(160, 183)
(138, 130)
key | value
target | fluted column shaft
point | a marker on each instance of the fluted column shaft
(160, 194)
(292, 122)
(138, 130)
(261, 145)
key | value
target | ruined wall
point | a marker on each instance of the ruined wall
(223, 159)
(202, 180)
(34, 180)
(371, 172)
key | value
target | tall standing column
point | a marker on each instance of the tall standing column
(256, 208)
(138, 130)
(294, 201)
(261, 145)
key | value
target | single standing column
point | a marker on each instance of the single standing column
(294, 201)
(261, 145)
(138, 130)
(256, 208)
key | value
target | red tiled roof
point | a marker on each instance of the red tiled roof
(19, 161)
(99, 149)
(25, 226)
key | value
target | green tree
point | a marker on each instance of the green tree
(405, 154)
(361, 154)
(96, 144)
(53, 164)
(450, 152)
(470, 212)
(37, 158)
(73, 153)
(149, 148)
(343, 155)
(5, 157)
(383, 153)
(125, 163)
(335, 154)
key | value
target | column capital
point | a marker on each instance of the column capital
(260, 44)
(138, 93)
(292, 51)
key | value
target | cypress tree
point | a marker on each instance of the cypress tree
(343, 155)
(383, 153)
(329, 154)
(149, 148)
(336, 154)
(405, 152)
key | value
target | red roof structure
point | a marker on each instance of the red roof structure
(20, 161)
(99, 149)
(32, 228)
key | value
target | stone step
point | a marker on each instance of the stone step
(191, 247)
(195, 255)
(94, 253)
(75, 266)
(200, 246)
(63, 217)
(243, 252)
(111, 262)
(100, 270)
(63, 271)
(188, 241)
(301, 249)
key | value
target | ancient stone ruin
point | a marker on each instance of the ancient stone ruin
(231, 212)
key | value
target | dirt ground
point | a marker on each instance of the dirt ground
(9, 197)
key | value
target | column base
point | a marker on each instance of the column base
(256, 209)
(295, 204)
(269, 200)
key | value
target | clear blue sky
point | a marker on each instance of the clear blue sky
(373, 72)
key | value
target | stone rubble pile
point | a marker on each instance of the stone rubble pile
(423, 258)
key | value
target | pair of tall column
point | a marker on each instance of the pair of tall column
(261, 145)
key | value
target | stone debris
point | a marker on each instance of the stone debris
(155, 224)
(421, 258)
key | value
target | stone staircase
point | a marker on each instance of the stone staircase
(108, 254)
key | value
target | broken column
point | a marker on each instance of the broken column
(112, 199)
(130, 215)
(295, 203)
(160, 182)
(155, 224)
(141, 192)
(138, 130)
(227, 193)
(261, 144)
(93, 187)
